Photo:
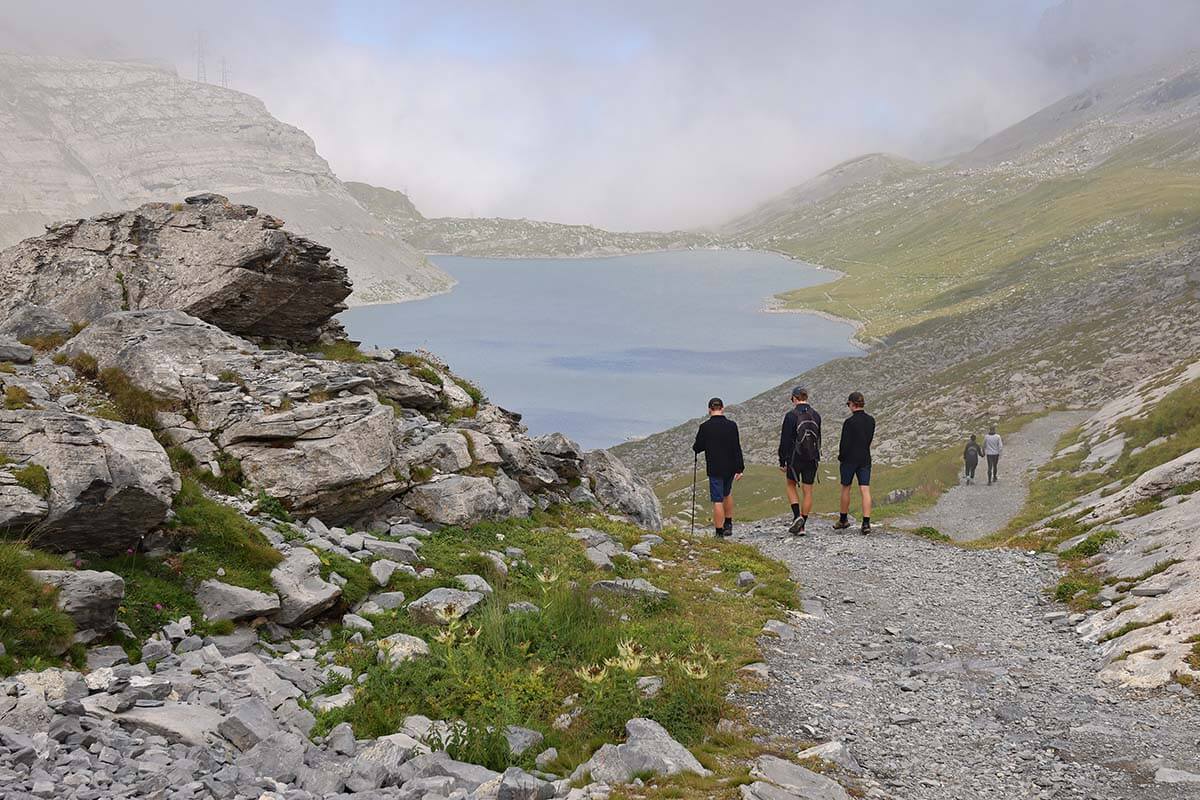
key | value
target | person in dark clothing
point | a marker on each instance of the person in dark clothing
(971, 455)
(723, 463)
(854, 453)
(799, 454)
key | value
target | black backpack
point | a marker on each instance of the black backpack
(807, 448)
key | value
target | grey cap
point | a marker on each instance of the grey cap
(799, 391)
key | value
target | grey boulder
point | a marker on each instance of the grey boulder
(648, 749)
(440, 606)
(455, 500)
(219, 600)
(110, 483)
(303, 594)
(12, 350)
(27, 321)
(89, 598)
(617, 488)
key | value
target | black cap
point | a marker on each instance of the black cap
(799, 391)
(716, 403)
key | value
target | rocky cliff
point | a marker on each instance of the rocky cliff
(81, 137)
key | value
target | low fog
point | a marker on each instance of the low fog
(624, 115)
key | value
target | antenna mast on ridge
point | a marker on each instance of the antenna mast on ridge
(224, 74)
(201, 72)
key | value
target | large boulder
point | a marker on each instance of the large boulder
(219, 600)
(442, 605)
(14, 351)
(88, 597)
(217, 260)
(303, 594)
(282, 414)
(109, 483)
(455, 500)
(648, 749)
(27, 321)
(617, 488)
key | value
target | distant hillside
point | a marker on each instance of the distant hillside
(1054, 265)
(514, 238)
(80, 137)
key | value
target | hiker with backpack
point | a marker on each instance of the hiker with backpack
(971, 454)
(799, 454)
(993, 445)
(854, 454)
(718, 440)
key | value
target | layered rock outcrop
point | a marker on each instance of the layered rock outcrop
(219, 261)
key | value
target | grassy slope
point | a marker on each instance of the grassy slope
(959, 242)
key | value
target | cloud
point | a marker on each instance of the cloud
(620, 114)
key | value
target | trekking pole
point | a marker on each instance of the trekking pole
(695, 464)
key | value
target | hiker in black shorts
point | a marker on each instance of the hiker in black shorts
(854, 453)
(718, 440)
(799, 454)
(971, 455)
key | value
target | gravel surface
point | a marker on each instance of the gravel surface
(949, 675)
(969, 512)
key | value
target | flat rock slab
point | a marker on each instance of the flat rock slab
(630, 587)
(182, 723)
(444, 605)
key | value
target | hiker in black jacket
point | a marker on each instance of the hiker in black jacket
(718, 440)
(799, 453)
(971, 455)
(854, 453)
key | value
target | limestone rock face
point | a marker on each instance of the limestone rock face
(213, 259)
(110, 483)
(26, 321)
(455, 500)
(303, 594)
(96, 136)
(221, 601)
(615, 486)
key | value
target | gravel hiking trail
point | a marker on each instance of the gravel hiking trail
(949, 674)
(969, 512)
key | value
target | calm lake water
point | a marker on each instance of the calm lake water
(607, 349)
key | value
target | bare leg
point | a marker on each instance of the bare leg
(729, 507)
(845, 505)
(719, 515)
(793, 498)
(806, 506)
(866, 500)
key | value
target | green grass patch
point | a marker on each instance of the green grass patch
(34, 632)
(7, 368)
(344, 351)
(496, 669)
(17, 398)
(1090, 546)
(1078, 589)
(34, 478)
(420, 368)
(931, 533)
(45, 344)
(136, 406)
(1134, 626)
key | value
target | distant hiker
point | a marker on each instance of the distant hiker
(854, 453)
(799, 453)
(971, 454)
(993, 445)
(718, 440)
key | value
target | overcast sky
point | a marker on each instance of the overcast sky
(622, 114)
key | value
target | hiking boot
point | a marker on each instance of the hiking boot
(728, 529)
(797, 528)
(866, 528)
(841, 525)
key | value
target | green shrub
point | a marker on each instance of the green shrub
(34, 478)
(34, 632)
(1090, 546)
(420, 368)
(1070, 587)
(16, 398)
(931, 533)
(85, 365)
(271, 507)
(344, 350)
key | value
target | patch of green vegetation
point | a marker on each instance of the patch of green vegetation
(44, 344)
(1139, 649)
(421, 473)
(931, 533)
(420, 368)
(16, 398)
(230, 482)
(271, 507)
(1078, 589)
(209, 537)
(343, 350)
(84, 364)
(7, 368)
(135, 405)
(497, 668)
(1186, 488)
(1090, 546)
(359, 582)
(1134, 626)
(471, 389)
(34, 478)
(1145, 506)
(229, 376)
(34, 632)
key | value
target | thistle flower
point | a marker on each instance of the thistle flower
(471, 631)
(694, 670)
(592, 673)
(631, 648)
(444, 637)
(660, 658)
(546, 577)
(447, 614)
(627, 663)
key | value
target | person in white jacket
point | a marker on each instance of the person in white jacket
(993, 445)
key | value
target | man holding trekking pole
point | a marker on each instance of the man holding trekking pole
(718, 440)
(799, 454)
